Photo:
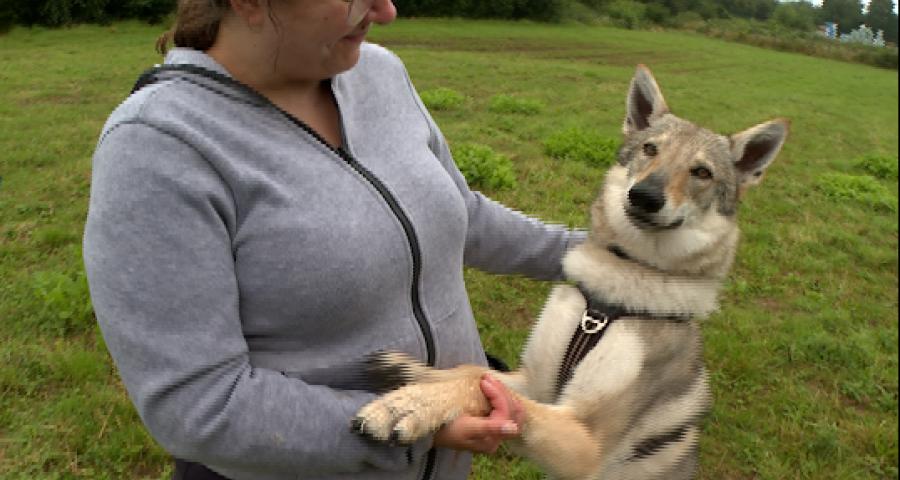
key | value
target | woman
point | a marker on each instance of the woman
(269, 207)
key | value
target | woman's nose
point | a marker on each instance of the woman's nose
(383, 12)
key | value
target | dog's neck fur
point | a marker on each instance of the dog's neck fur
(670, 273)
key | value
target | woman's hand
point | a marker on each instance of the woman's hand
(484, 434)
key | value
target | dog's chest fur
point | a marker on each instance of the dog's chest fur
(629, 348)
(550, 339)
(642, 369)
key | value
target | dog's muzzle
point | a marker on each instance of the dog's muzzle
(648, 196)
(646, 199)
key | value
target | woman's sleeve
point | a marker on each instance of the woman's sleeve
(158, 254)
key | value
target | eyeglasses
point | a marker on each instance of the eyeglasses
(358, 10)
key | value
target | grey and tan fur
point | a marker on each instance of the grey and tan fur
(633, 406)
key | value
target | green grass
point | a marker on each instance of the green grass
(803, 355)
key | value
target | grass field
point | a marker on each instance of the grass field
(803, 354)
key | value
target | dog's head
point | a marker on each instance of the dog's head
(676, 182)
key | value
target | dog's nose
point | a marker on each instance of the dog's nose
(647, 196)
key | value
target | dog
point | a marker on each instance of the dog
(612, 380)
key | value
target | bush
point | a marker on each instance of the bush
(8, 15)
(798, 16)
(510, 104)
(626, 13)
(580, 13)
(543, 10)
(858, 188)
(581, 145)
(879, 166)
(442, 99)
(493, 9)
(483, 167)
(151, 11)
(56, 13)
(884, 58)
(657, 13)
(63, 12)
(688, 20)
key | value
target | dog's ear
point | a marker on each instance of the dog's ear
(645, 102)
(754, 149)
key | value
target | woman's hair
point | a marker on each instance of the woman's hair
(196, 25)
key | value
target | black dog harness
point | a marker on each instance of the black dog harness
(595, 321)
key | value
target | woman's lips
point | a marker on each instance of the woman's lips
(358, 36)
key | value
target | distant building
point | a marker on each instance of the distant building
(830, 29)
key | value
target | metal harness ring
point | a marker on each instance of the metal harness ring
(591, 325)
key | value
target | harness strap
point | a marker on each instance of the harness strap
(595, 321)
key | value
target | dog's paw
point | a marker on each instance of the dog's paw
(377, 421)
(405, 415)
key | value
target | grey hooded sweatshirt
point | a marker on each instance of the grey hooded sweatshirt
(240, 268)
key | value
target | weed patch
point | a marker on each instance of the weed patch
(859, 188)
(442, 99)
(581, 145)
(869, 394)
(53, 237)
(878, 166)
(483, 167)
(511, 104)
(66, 302)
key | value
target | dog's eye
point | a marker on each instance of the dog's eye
(702, 173)
(650, 149)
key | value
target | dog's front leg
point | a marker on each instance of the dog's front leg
(554, 438)
(552, 435)
(414, 411)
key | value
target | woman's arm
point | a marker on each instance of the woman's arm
(502, 240)
(159, 258)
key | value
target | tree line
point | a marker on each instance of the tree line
(798, 15)
(57, 13)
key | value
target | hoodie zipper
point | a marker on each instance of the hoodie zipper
(407, 225)
(150, 77)
(411, 238)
